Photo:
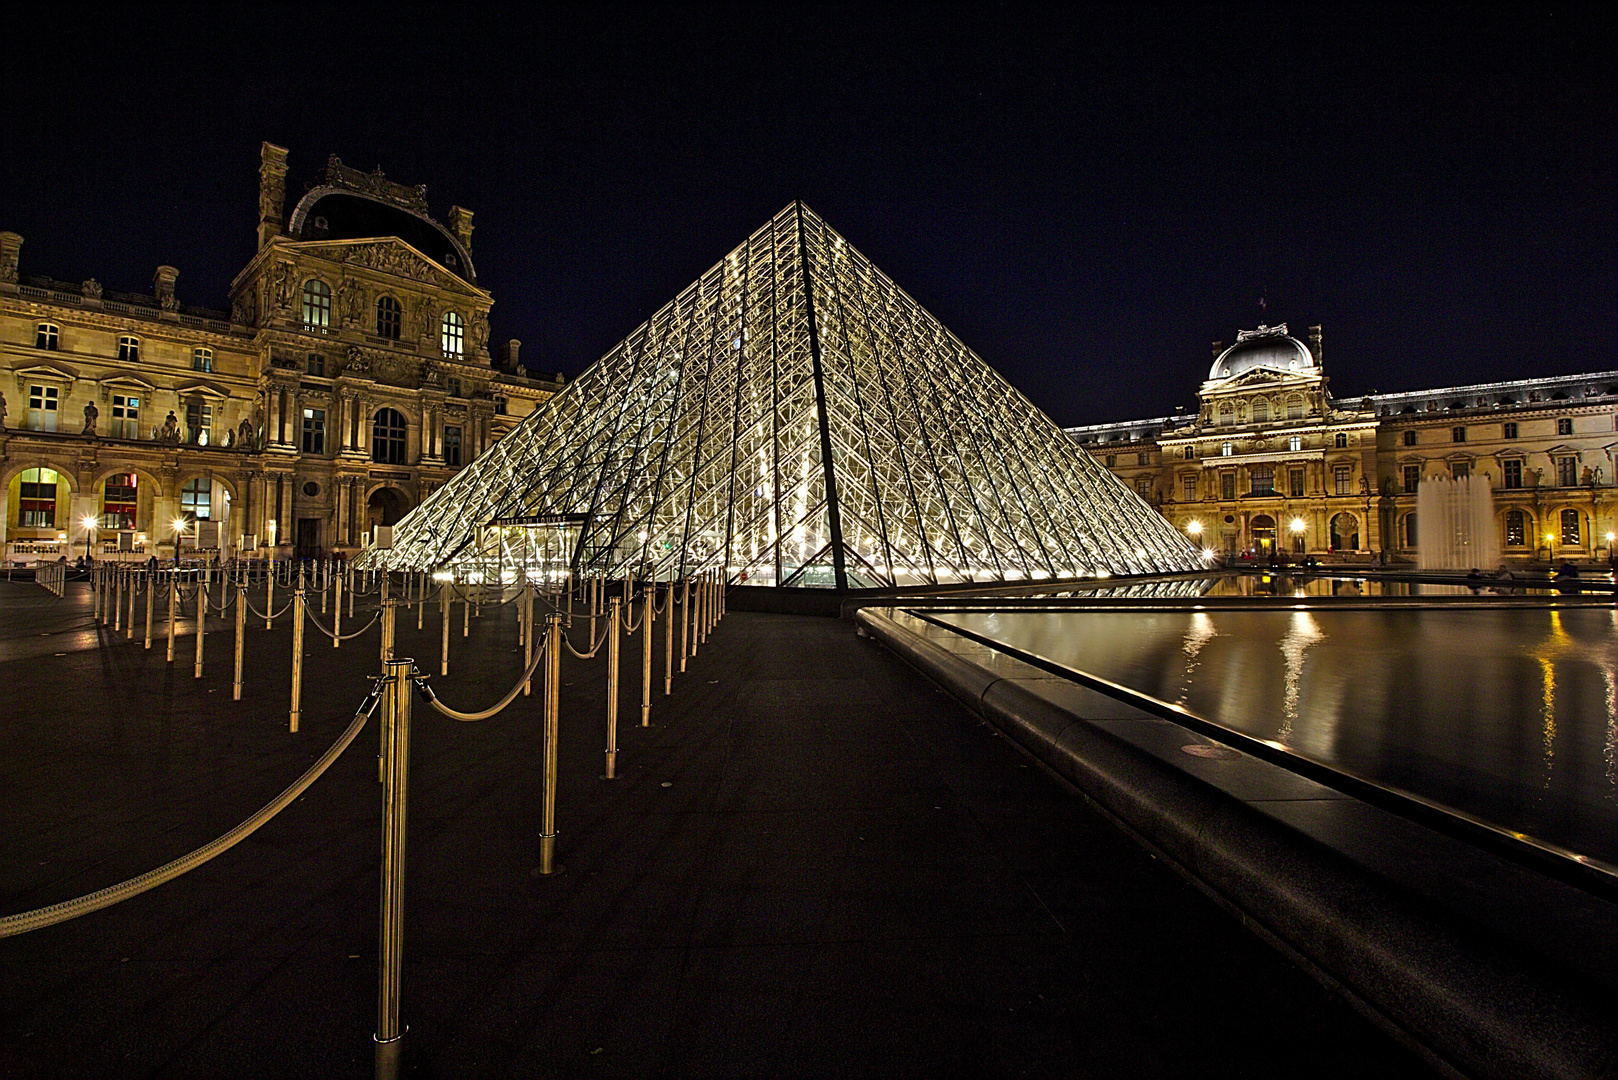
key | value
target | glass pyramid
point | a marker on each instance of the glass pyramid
(796, 419)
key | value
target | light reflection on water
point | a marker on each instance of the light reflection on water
(1507, 714)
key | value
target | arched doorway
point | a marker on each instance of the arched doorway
(1263, 533)
(385, 507)
(1345, 532)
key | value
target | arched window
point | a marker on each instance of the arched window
(201, 359)
(388, 437)
(1341, 441)
(1345, 532)
(36, 499)
(316, 304)
(1516, 528)
(453, 336)
(389, 317)
(129, 348)
(196, 498)
(120, 500)
(47, 336)
(1570, 528)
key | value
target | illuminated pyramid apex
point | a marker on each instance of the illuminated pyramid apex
(796, 419)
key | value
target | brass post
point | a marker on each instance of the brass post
(241, 637)
(395, 800)
(337, 616)
(325, 583)
(174, 587)
(95, 591)
(269, 597)
(668, 647)
(202, 625)
(685, 624)
(129, 627)
(118, 603)
(421, 598)
(443, 604)
(701, 635)
(526, 620)
(466, 611)
(297, 653)
(614, 611)
(151, 596)
(648, 608)
(553, 688)
(350, 571)
(390, 612)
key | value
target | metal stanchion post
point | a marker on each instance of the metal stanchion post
(685, 623)
(325, 583)
(526, 620)
(648, 608)
(700, 635)
(570, 598)
(241, 637)
(118, 603)
(129, 625)
(390, 612)
(614, 611)
(202, 625)
(668, 646)
(466, 612)
(350, 592)
(174, 587)
(395, 800)
(444, 605)
(553, 688)
(337, 615)
(95, 592)
(297, 653)
(151, 596)
(421, 598)
(269, 596)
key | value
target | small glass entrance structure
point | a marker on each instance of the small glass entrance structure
(793, 419)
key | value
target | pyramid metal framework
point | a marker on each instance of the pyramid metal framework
(796, 419)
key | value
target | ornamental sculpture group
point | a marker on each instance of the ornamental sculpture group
(244, 437)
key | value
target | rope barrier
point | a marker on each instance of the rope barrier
(310, 612)
(432, 699)
(259, 614)
(39, 918)
(594, 648)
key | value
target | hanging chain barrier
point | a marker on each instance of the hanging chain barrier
(309, 613)
(39, 918)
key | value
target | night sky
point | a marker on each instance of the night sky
(1086, 200)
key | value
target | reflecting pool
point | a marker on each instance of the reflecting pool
(1506, 714)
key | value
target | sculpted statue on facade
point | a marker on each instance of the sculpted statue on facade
(8, 265)
(356, 362)
(170, 431)
(353, 301)
(244, 435)
(91, 415)
(2, 412)
(91, 289)
(283, 286)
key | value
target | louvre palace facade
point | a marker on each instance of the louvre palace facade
(1272, 461)
(350, 378)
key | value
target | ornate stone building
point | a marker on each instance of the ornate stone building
(1271, 459)
(350, 378)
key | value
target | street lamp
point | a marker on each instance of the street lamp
(89, 523)
(179, 538)
(1194, 528)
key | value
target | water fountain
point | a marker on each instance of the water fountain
(1455, 527)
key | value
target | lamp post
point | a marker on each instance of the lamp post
(1298, 527)
(179, 538)
(89, 524)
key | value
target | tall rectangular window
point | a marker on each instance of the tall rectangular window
(1189, 486)
(1412, 478)
(1516, 528)
(201, 359)
(1567, 471)
(125, 417)
(1511, 471)
(199, 423)
(1508, 430)
(1345, 479)
(120, 501)
(314, 431)
(42, 402)
(1263, 480)
(316, 304)
(37, 497)
(1460, 469)
(1189, 453)
(1564, 425)
(452, 445)
(1295, 484)
(46, 336)
(1227, 486)
(1457, 434)
(1570, 528)
(1143, 487)
(1295, 443)
(1410, 438)
(196, 498)
(129, 348)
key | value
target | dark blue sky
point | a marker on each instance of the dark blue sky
(1087, 200)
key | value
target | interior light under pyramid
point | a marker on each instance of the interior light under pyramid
(794, 418)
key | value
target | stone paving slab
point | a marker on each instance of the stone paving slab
(813, 863)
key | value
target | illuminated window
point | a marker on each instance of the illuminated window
(42, 402)
(389, 317)
(1227, 449)
(36, 493)
(201, 359)
(452, 445)
(1263, 480)
(316, 304)
(388, 437)
(129, 348)
(1345, 479)
(1567, 471)
(46, 336)
(119, 501)
(1295, 484)
(1511, 471)
(1410, 438)
(199, 422)
(196, 498)
(1570, 528)
(1508, 430)
(314, 431)
(452, 335)
(1564, 425)
(1412, 478)
(1295, 442)
(125, 417)
(1516, 528)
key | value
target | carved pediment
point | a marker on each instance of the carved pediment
(391, 256)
